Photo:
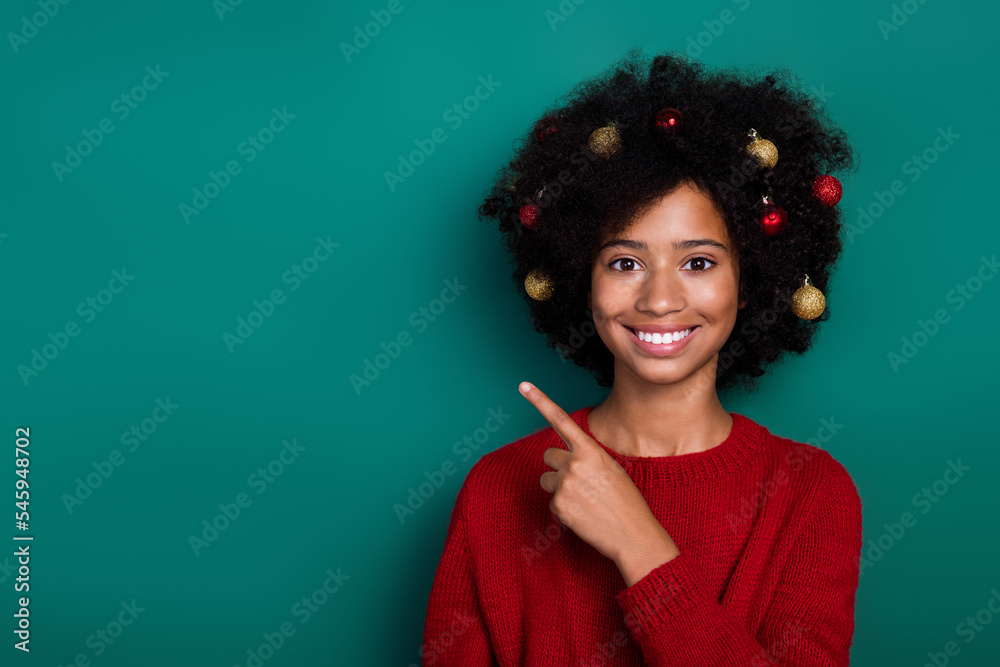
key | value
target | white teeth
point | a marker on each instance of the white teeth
(660, 339)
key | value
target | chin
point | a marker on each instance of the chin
(663, 376)
(654, 371)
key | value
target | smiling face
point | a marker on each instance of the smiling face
(674, 269)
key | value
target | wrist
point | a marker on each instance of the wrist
(652, 549)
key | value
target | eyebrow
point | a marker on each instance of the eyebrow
(677, 245)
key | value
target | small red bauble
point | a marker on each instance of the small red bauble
(827, 189)
(773, 220)
(547, 127)
(669, 119)
(528, 213)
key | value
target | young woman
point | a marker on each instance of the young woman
(673, 230)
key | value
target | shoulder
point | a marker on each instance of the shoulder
(512, 460)
(503, 480)
(821, 479)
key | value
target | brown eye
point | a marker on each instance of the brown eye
(628, 264)
(701, 261)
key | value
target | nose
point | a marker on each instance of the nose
(661, 292)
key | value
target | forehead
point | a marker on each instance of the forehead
(684, 214)
(684, 209)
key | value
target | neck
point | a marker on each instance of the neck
(639, 418)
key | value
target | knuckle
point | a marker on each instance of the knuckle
(561, 416)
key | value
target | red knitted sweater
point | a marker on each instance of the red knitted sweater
(769, 532)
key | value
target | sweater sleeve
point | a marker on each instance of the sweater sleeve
(809, 620)
(455, 630)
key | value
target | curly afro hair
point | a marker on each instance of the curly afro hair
(582, 198)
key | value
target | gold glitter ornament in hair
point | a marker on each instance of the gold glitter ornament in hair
(605, 141)
(538, 285)
(764, 150)
(808, 302)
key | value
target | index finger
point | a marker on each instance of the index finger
(571, 433)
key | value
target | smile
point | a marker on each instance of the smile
(661, 344)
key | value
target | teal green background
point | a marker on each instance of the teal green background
(323, 176)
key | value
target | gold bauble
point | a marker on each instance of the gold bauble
(808, 303)
(538, 284)
(605, 141)
(765, 152)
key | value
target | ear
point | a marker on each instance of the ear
(743, 299)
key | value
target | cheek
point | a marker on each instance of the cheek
(721, 294)
(604, 308)
(715, 298)
(605, 299)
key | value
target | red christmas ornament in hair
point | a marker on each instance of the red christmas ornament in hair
(669, 120)
(527, 214)
(773, 219)
(827, 189)
(546, 127)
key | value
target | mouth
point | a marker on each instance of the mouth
(662, 344)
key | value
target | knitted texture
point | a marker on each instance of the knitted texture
(769, 533)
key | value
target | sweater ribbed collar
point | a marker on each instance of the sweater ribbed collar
(743, 444)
